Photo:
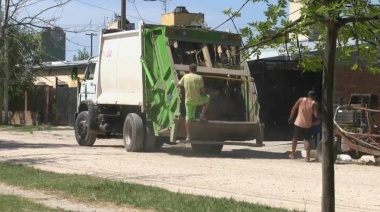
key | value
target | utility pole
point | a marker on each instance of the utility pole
(91, 36)
(164, 5)
(123, 14)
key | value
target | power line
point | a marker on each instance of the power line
(76, 43)
(78, 25)
(135, 7)
(102, 8)
(233, 16)
(95, 6)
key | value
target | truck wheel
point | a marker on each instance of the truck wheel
(149, 138)
(260, 137)
(377, 159)
(355, 155)
(133, 133)
(160, 141)
(83, 134)
(215, 149)
(319, 152)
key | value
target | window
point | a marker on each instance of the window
(203, 54)
(90, 71)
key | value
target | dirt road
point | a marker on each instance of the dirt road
(255, 174)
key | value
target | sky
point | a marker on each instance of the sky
(79, 17)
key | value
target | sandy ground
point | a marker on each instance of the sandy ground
(255, 174)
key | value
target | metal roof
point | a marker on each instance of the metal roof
(60, 64)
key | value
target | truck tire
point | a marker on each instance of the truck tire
(149, 138)
(260, 138)
(319, 152)
(83, 134)
(133, 133)
(160, 141)
(215, 149)
(377, 159)
(355, 155)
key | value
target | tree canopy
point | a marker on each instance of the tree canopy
(348, 30)
(81, 55)
(357, 21)
(20, 22)
(24, 52)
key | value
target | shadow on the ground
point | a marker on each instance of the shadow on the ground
(233, 154)
(108, 146)
(13, 145)
(33, 160)
(246, 153)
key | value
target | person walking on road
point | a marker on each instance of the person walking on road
(195, 95)
(307, 107)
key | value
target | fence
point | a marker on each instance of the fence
(66, 103)
(44, 105)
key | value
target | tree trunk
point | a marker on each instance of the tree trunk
(6, 81)
(328, 187)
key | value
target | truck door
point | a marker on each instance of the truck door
(88, 87)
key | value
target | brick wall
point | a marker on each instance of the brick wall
(348, 82)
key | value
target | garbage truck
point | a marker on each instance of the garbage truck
(130, 90)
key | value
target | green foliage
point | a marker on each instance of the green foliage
(23, 53)
(81, 55)
(358, 21)
(15, 203)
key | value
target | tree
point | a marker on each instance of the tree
(81, 55)
(18, 16)
(24, 52)
(345, 27)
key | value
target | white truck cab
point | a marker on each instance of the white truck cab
(88, 85)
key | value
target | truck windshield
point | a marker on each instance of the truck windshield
(208, 55)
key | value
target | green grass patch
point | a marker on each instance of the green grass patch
(94, 189)
(10, 203)
(31, 128)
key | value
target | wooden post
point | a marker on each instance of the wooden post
(25, 101)
(47, 98)
(56, 100)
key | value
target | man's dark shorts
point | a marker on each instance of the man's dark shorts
(302, 133)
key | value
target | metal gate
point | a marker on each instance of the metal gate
(65, 107)
(279, 84)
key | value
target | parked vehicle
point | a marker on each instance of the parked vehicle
(130, 89)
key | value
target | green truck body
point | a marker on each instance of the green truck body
(164, 54)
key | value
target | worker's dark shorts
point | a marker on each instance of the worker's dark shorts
(302, 133)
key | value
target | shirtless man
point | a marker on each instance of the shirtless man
(307, 107)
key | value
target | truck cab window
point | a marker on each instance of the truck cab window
(90, 71)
